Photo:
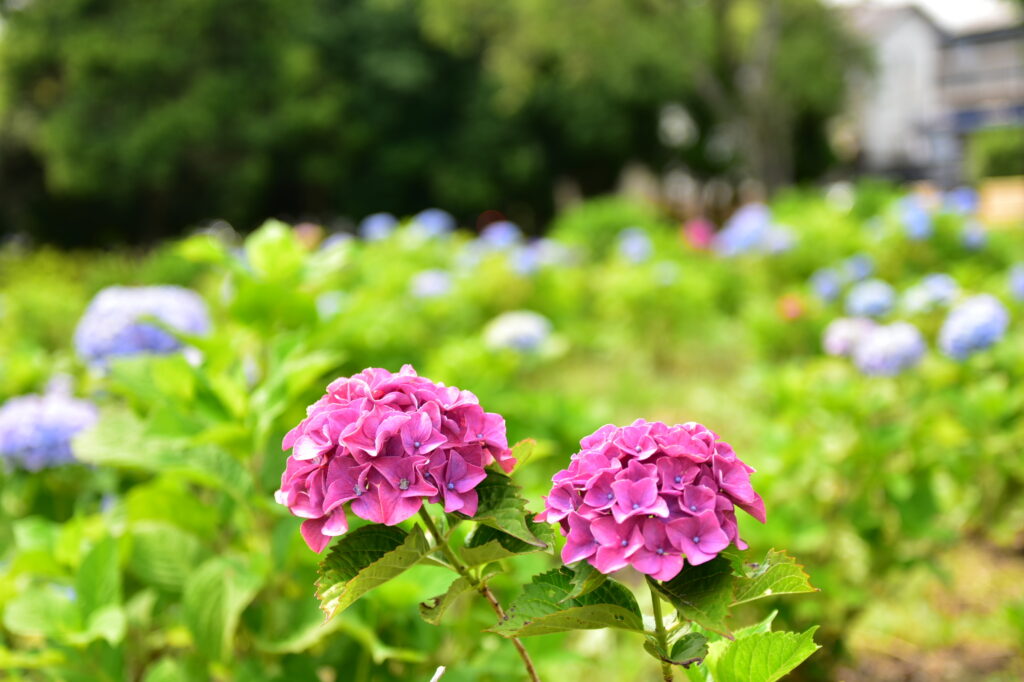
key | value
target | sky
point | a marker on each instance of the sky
(955, 15)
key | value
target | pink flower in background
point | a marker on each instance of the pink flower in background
(381, 442)
(651, 496)
(699, 233)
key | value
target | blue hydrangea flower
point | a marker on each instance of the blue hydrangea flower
(858, 267)
(744, 231)
(520, 330)
(973, 236)
(634, 245)
(434, 222)
(36, 430)
(114, 323)
(889, 349)
(963, 200)
(335, 239)
(539, 253)
(1017, 281)
(934, 291)
(916, 220)
(843, 334)
(827, 284)
(501, 235)
(974, 325)
(870, 298)
(377, 226)
(431, 284)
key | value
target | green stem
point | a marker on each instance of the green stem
(442, 543)
(659, 630)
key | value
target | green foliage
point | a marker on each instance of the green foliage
(760, 657)
(994, 152)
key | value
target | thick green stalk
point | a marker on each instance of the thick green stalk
(442, 543)
(659, 631)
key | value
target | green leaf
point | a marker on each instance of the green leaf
(777, 574)
(166, 670)
(762, 657)
(98, 584)
(488, 544)
(108, 623)
(523, 451)
(544, 607)
(585, 578)
(273, 252)
(42, 611)
(364, 559)
(215, 596)
(757, 628)
(702, 593)
(689, 649)
(433, 609)
(502, 507)
(163, 555)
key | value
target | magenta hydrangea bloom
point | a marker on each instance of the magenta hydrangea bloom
(650, 496)
(380, 443)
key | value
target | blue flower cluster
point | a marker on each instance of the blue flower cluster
(115, 322)
(431, 284)
(974, 325)
(889, 349)
(434, 222)
(934, 291)
(871, 298)
(828, 283)
(634, 245)
(524, 331)
(36, 430)
(750, 230)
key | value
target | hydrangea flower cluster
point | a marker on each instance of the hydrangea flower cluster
(36, 430)
(750, 229)
(634, 245)
(544, 252)
(1016, 282)
(935, 290)
(650, 495)
(377, 226)
(843, 334)
(430, 283)
(114, 322)
(434, 222)
(380, 443)
(858, 266)
(827, 284)
(520, 330)
(974, 325)
(870, 298)
(502, 234)
(889, 349)
(916, 220)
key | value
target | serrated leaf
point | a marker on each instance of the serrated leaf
(762, 657)
(757, 628)
(689, 649)
(543, 608)
(502, 507)
(433, 609)
(488, 544)
(365, 559)
(214, 597)
(585, 578)
(702, 593)
(777, 574)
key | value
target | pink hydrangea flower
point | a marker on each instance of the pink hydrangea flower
(381, 443)
(651, 496)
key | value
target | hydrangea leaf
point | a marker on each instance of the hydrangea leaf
(162, 555)
(543, 608)
(214, 597)
(503, 508)
(703, 593)
(585, 578)
(689, 649)
(777, 574)
(433, 609)
(523, 451)
(761, 657)
(364, 559)
(41, 611)
(98, 582)
(488, 544)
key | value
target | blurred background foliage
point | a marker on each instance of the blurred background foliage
(114, 111)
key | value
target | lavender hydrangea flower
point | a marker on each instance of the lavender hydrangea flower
(431, 284)
(916, 220)
(744, 231)
(827, 284)
(858, 267)
(36, 430)
(519, 330)
(651, 496)
(634, 245)
(934, 291)
(889, 349)
(501, 235)
(963, 200)
(377, 226)
(973, 236)
(434, 222)
(843, 334)
(114, 324)
(1017, 281)
(974, 325)
(871, 298)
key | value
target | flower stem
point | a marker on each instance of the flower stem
(659, 630)
(478, 585)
